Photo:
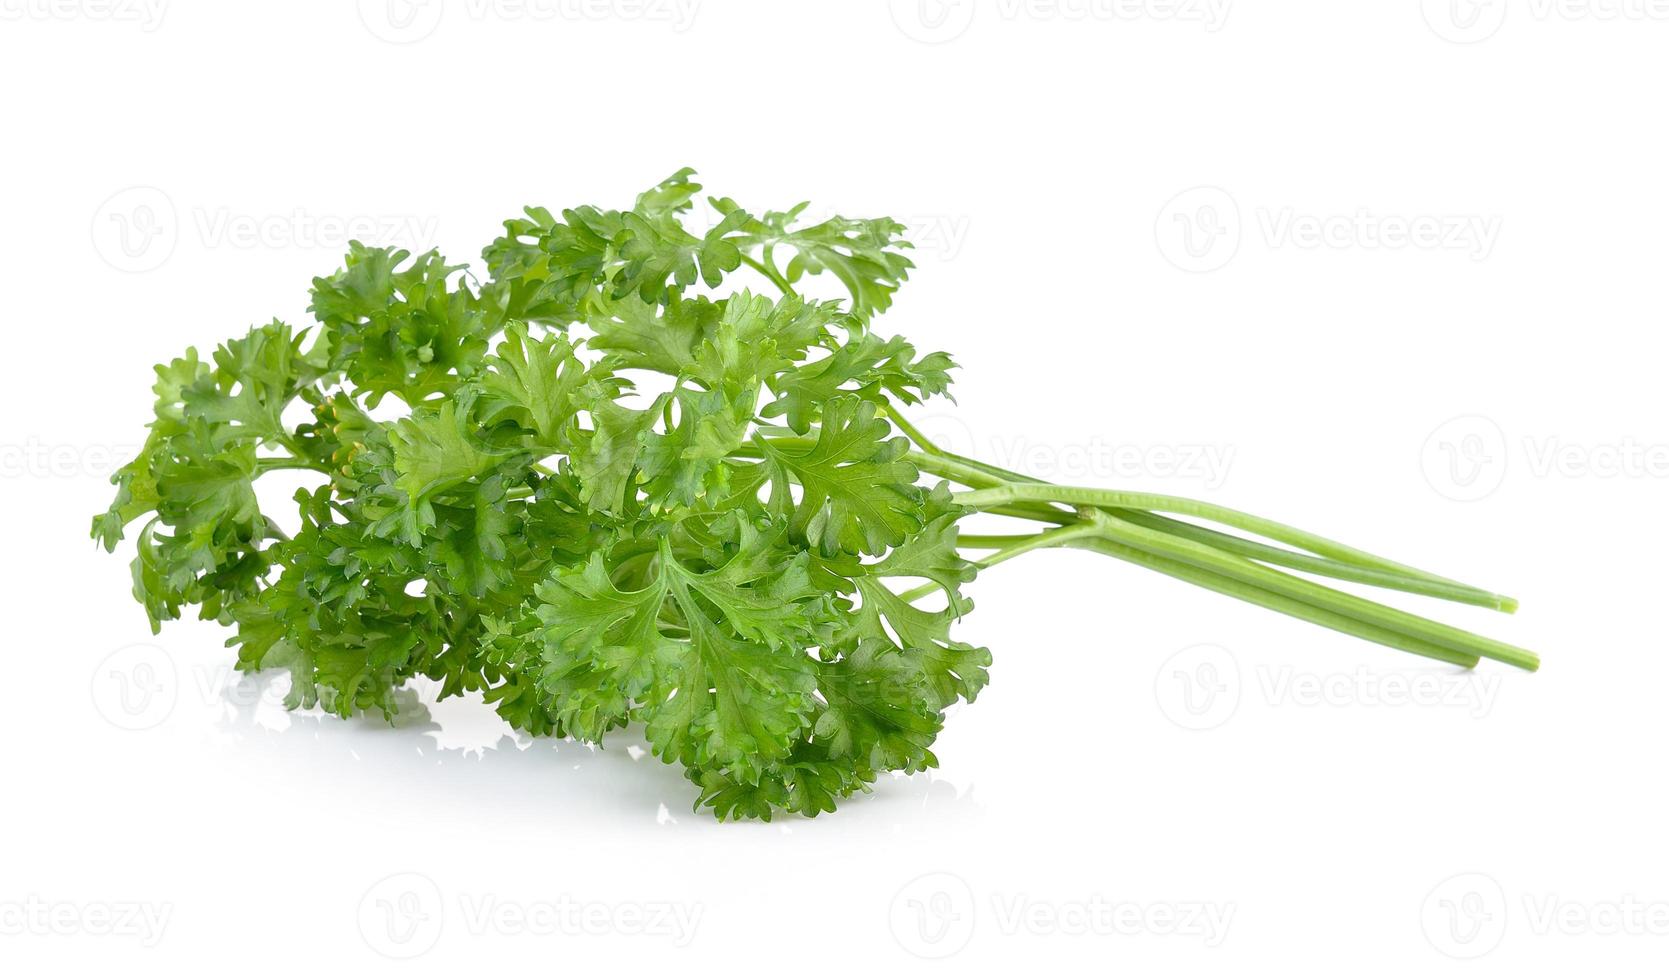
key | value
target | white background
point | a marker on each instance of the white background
(1396, 267)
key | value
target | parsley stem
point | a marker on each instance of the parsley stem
(1329, 567)
(1273, 556)
(979, 541)
(1330, 558)
(286, 463)
(1085, 496)
(914, 433)
(1372, 571)
(1089, 537)
(1277, 602)
(769, 271)
(1314, 594)
(1055, 537)
(1015, 546)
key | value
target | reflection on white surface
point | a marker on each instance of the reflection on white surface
(467, 753)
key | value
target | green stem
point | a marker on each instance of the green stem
(964, 473)
(1277, 602)
(286, 463)
(1272, 589)
(980, 475)
(1319, 566)
(979, 541)
(914, 433)
(1088, 496)
(1087, 537)
(1016, 546)
(969, 473)
(769, 271)
(1269, 555)
(1314, 594)
(1048, 539)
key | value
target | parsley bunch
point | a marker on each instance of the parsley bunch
(618, 496)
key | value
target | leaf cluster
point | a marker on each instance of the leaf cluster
(610, 492)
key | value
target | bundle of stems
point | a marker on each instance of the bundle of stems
(1146, 529)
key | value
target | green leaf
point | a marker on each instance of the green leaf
(879, 709)
(865, 255)
(858, 493)
(864, 362)
(719, 686)
(533, 382)
(660, 256)
(433, 450)
(607, 465)
(404, 329)
(639, 335)
(756, 338)
(686, 462)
